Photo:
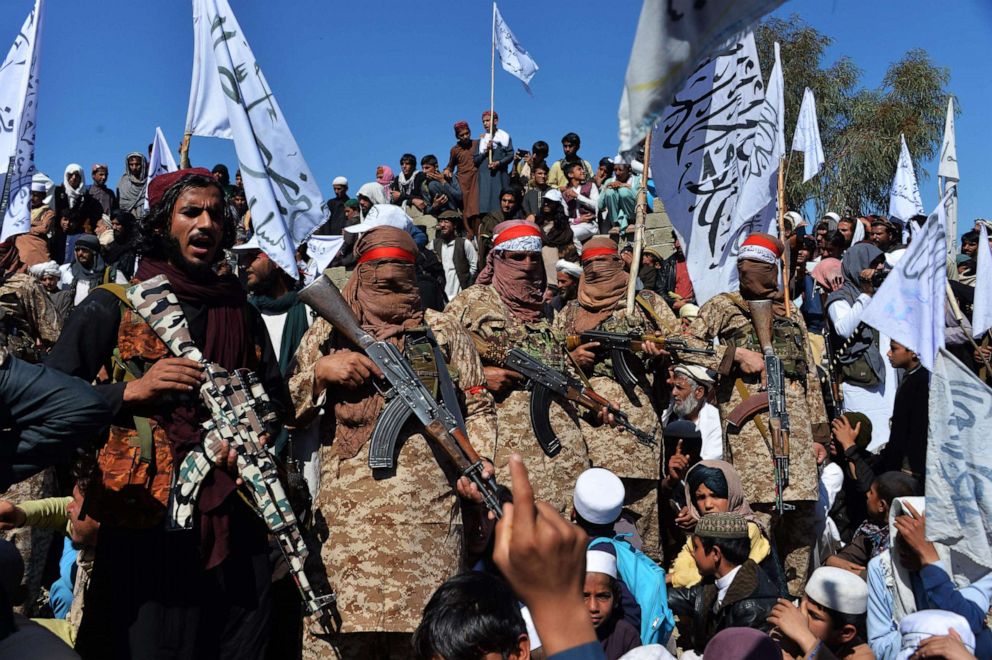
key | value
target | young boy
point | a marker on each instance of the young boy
(830, 619)
(735, 591)
(601, 591)
(907, 447)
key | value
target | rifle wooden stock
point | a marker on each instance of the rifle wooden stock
(761, 318)
(325, 299)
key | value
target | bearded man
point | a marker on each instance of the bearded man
(601, 305)
(740, 364)
(157, 591)
(391, 536)
(505, 309)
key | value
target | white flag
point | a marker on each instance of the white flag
(981, 316)
(807, 137)
(160, 161)
(514, 57)
(321, 250)
(904, 195)
(230, 98)
(756, 207)
(909, 306)
(672, 37)
(948, 164)
(18, 110)
(701, 154)
(959, 460)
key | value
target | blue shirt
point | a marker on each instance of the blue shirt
(933, 589)
(60, 595)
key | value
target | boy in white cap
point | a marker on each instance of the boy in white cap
(597, 506)
(830, 619)
(601, 591)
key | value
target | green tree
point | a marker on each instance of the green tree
(859, 127)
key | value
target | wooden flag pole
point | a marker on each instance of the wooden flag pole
(782, 236)
(639, 213)
(492, 88)
(184, 152)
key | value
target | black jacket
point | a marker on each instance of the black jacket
(749, 600)
(907, 448)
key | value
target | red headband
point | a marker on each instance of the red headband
(597, 252)
(388, 253)
(516, 232)
(761, 241)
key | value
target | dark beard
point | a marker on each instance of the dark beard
(174, 255)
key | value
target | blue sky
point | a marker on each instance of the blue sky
(363, 83)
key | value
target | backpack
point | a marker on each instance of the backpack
(646, 582)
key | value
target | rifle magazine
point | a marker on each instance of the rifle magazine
(540, 420)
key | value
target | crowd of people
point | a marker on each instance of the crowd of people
(656, 525)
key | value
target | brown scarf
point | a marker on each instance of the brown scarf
(602, 284)
(383, 294)
(520, 285)
(759, 281)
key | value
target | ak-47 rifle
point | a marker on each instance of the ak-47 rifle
(407, 396)
(546, 383)
(762, 317)
(240, 413)
(622, 346)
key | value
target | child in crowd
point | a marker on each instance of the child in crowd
(830, 620)
(601, 591)
(735, 591)
(714, 487)
(872, 536)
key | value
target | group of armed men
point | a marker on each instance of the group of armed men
(396, 421)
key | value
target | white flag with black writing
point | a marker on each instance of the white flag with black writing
(959, 460)
(701, 153)
(909, 306)
(981, 316)
(807, 137)
(321, 250)
(160, 160)
(512, 56)
(18, 112)
(230, 98)
(673, 37)
(948, 164)
(904, 195)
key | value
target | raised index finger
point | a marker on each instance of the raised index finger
(524, 513)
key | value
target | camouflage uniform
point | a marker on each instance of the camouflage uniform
(481, 311)
(27, 315)
(726, 318)
(637, 464)
(388, 540)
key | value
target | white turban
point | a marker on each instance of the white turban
(572, 268)
(42, 269)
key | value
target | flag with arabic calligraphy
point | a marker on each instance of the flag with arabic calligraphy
(230, 98)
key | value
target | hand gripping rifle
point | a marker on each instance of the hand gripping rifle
(546, 383)
(407, 395)
(762, 317)
(623, 345)
(240, 412)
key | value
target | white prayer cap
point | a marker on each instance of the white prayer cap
(38, 186)
(832, 216)
(621, 160)
(42, 269)
(924, 624)
(383, 215)
(697, 373)
(598, 561)
(570, 267)
(648, 652)
(838, 589)
(598, 496)
(339, 181)
(797, 220)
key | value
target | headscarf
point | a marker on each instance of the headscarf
(374, 191)
(131, 189)
(520, 286)
(857, 258)
(602, 284)
(735, 492)
(382, 292)
(227, 343)
(924, 624)
(94, 274)
(742, 644)
(757, 270)
(384, 177)
(829, 274)
(74, 194)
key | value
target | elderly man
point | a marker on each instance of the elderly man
(155, 591)
(391, 536)
(727, 318)
(692, 386)
(618, 196)
(600, 305)
(568, 274)
(505, 309)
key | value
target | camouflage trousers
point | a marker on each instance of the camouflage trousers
(367, 646)
(32, 543)
(794, 534)
(553, 478)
